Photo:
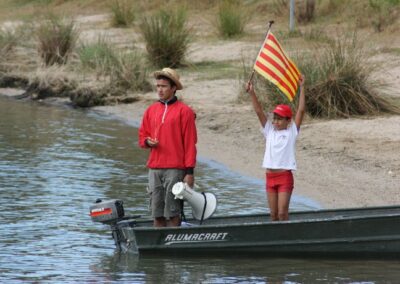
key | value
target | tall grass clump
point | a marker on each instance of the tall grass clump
(8, 41)
(123, 13)
(56, 40)
(167, 37)
(383, 13)
(128, 71)
(231, 19)
(99, 56)
(305, 11)
(132, 72)
(279, 7)
(340, 81)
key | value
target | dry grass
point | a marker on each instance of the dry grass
(123, 13)
(55, 81)
(56, 39)
(167, 37)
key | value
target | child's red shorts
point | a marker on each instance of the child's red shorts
(279, 182)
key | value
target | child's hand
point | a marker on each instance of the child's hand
(302, 79)
(250, 88)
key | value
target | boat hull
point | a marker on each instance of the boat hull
(350, 232)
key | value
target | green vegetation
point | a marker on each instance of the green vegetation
(56, 40)
(123, 13)
(341, 83)
(8, 40)
(126, 70)
(131, 72)
(167, 37)
(383, 13)
(231, 19)
(99, 56)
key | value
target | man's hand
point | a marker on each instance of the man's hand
(151, 142)
(189, 179)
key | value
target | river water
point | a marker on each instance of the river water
(55, 162)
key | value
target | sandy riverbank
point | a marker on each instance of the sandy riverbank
(341, 163)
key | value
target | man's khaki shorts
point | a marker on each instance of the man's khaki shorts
(162, 200)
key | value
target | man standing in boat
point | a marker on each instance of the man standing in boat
(168, 129)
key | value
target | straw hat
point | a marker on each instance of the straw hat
(171, 74)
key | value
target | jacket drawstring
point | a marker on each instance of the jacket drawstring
(165, 112)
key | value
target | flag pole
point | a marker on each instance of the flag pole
(266, 36)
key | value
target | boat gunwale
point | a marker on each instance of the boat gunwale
(277, 223)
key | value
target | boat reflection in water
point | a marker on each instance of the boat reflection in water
(133, 268)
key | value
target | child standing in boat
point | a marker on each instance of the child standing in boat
(279, 159)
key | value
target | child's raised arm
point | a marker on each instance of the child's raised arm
(302, 104)
(256, 104)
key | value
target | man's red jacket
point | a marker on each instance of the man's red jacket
(173, 125)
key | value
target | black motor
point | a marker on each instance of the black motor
(107, 212)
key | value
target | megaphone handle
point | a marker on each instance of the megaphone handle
(183, 217)
(204, 208)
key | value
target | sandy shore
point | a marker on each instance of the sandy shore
(341, 163)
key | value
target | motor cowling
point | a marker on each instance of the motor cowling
(108, 211)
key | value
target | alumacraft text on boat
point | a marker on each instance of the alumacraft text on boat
(195, 237)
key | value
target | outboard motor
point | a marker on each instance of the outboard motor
(109, 212)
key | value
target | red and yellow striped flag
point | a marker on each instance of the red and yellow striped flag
(273, 64)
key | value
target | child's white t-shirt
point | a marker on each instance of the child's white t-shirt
(280, 147)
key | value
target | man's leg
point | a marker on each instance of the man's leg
(157, 197)
(173, 207)
(174, 221)
(160, 222)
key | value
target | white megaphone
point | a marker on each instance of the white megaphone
(203, 204)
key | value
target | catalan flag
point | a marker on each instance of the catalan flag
(273, 64)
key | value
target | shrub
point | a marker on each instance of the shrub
(131, 72)
(383, 13)
(305, 11)
(123, 13)
(128, 71)
(231, 19)
(280, 7)
(100, 56)
(57, 39)
(340, 81)
(167, 37)
(8, 40)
